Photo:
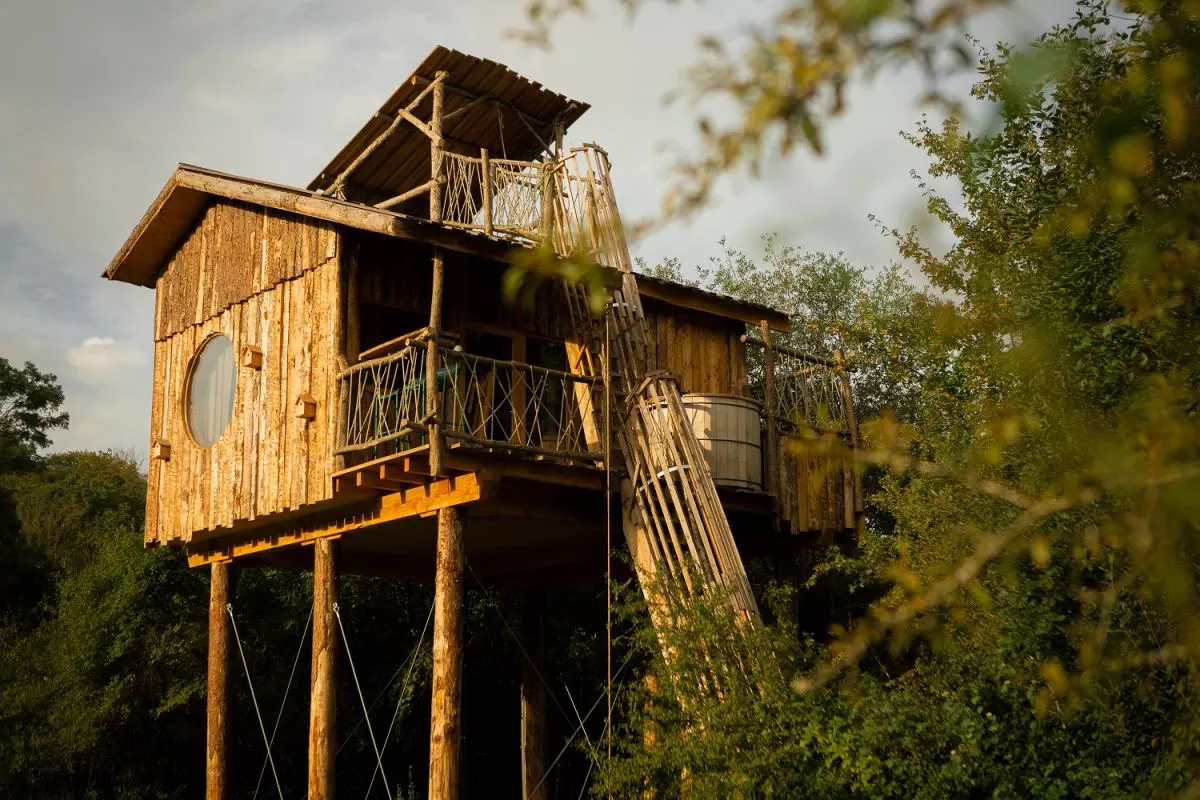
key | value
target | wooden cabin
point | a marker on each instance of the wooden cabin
(343, 363)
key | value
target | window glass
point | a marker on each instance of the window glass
(210, 391)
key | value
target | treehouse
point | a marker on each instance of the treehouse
(345, 381)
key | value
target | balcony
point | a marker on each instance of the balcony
(481, 404)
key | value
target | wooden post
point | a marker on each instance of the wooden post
(436, 147)
(220, 590)
(322, 709)
(448, 623)
(547, 231)
(432, 357)
(533, 699)
(432, 396)
(519, 394)
(485, 181)
(769, 396)
(353, 323)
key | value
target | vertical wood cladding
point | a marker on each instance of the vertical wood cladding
(266, 280)
(704, 350)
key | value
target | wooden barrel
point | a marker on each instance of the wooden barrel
(730, 433)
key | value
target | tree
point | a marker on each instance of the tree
(29, 409)
(1039, 634)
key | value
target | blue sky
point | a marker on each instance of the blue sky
(99, 101)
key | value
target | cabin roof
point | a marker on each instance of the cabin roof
(190, 190)
(486, 104)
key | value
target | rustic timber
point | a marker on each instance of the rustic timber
(533, 698)
(220, 594)
(772, 477)
(356, 442)
(323, 698)
(448, 626)
(367, 513)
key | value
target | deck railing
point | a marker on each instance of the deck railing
(497, 196)
(482, 401)
(806, 390)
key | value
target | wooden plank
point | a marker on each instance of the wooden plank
(417, 501)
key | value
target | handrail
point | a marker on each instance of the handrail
(478, 399)
(800, 354)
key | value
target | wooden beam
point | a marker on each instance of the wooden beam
(436, 149)
(404, 114)
(322, 708)
(406, 196)
(533, 698)
(437, 445)
(448, 627)
(419, 500)
(220, 590)
(788, 351)
(772, 478)
(576, 475)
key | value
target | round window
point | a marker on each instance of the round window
(210, 391)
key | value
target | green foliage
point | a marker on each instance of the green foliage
(1034, 537)
(78, 501)
(29, 410)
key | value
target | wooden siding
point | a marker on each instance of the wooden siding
(268, 459)
(816, 494)
(705, 351)
(235, 251)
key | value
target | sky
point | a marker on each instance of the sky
(99, 100)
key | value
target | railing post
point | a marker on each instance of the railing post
(436, 146)
(769, 407)
(485, 181)
(547, 226)
(518, 392)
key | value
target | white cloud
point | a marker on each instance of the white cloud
(103, 361)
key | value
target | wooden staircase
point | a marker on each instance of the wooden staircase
(673, 521)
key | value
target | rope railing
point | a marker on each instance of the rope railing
(809, 390)
(487, 401)
(498, 196)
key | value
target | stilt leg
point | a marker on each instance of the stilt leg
(220, 591)
(533, 700)
(446, 714)
(323, 709)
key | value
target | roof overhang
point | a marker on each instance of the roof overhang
(190, 189)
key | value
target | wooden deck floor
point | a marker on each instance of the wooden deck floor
(529, 520)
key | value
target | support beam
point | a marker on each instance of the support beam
(772, 476)
(533, 698)
(323, 709)
(437, 445)
(220, 590)
(448, 624)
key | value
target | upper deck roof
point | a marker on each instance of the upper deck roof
(486, 105)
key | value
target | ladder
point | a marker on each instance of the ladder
(672, 518)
